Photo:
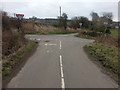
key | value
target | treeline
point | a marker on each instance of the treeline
(97, 24)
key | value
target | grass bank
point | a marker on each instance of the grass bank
(62, 32)
(107, 56)
(85, 36)
(104, 50)
(91, 35)
(35, 33)
(52, 32)
(12, 62)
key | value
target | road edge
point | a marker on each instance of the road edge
(15, 71)
(102, 68)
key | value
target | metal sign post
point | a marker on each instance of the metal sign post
(20, 17)
(80, 24)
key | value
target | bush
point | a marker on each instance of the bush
(89, 33)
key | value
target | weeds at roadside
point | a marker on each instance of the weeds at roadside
(52, 33)
(106, 55)
(14, 60)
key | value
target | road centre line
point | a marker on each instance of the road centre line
(60, 60)
(61, 66)
(60, 45)
(62, 74)
(63, 84)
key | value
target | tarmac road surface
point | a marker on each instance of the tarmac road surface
(60, 62)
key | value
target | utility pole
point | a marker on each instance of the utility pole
(14, 15)
(60, 11)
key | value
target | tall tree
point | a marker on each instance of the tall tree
(95, 16)
(107, 17)
(63, 20)
(95, 20)
(75, 23)
(85, 22)
(100, 23)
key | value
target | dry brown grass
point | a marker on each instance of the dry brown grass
(11, 42)
(109, 40)
(28, 27)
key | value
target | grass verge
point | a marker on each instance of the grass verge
(35, 33)
(13, 61)
(107, 56)
(52, 33)
(85, 36)
(63, 32)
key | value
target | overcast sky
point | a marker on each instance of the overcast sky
(50, 8)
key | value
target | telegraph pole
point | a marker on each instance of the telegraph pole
(60, 11)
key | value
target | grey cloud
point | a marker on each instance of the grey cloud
(51, 9)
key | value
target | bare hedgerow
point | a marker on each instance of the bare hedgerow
(11, 40)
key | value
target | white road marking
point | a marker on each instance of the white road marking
(62, 74)
(38, 39)
(46, 44)
(48, 51)
(60, 45)
(50, 44)
(60, 60)
(63, 84)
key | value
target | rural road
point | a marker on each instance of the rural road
(60, 62)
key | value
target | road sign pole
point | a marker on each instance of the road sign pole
(20, 17)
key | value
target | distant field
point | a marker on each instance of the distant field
(114, 32)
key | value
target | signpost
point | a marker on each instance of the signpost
(20, 17)
(80, 24)
(106, 25)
